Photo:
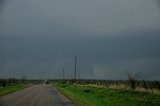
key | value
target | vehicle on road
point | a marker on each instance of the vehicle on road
(46, 82)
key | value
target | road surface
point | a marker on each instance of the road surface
(38, 95)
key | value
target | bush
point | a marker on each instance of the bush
(3, 82)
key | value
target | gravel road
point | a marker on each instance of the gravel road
(38, 95)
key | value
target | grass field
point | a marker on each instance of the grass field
(93, 96)
(11, 88)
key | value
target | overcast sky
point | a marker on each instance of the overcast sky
(110, 38)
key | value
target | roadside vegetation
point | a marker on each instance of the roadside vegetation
(102, 96)
(11, 85)
(11, 88)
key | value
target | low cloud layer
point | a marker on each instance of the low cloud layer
(39, 38)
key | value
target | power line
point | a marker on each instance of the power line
(125, 20)
(130, 26)
(129, 16)
(138, 20)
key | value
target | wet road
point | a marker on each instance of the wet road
(38, 95)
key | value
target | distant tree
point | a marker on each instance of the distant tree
(12, 80)
(3, 82)
(132, 78)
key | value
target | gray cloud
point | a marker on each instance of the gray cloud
(38, 38)
(1, 6)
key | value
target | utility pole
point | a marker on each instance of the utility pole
(78, 73)
(75, 68)
(63, 74)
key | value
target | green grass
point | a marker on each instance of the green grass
(11, 88)
(93, 96)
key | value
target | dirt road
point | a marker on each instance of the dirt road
(38, 95)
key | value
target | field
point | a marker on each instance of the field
(100, 96)
(11, 88)
(8, 86)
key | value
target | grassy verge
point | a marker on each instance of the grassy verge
(11, 88)
(92, 96)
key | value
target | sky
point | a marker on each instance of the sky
(109, 37)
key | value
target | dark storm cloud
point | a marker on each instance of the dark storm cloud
(1, 6)
(2, 2)
(132, 53)
(38, 38)
(157, 2)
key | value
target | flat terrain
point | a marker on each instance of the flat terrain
(38, 95)
(87, 95)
